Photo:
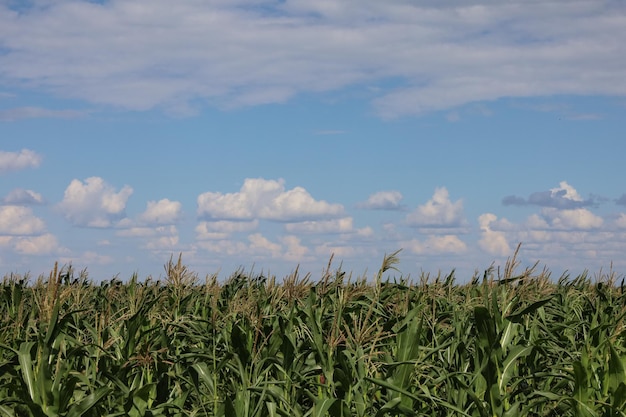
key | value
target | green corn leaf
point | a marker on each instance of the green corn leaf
(321, 407)
(28, 374)
(89, 402)
(617, 371)
(205, 375)
(517, 316)
(485, 327)
(619, 397)
(508, 368)
(6, 411)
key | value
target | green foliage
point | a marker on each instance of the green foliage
(502, 346)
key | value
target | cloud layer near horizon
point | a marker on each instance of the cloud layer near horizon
(265, 220)
(408, 57)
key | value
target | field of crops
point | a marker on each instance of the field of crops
(504, 343)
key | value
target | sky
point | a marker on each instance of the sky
(271, 135)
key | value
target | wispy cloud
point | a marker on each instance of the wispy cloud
(21, 113)
(231, 54)
(15, 161)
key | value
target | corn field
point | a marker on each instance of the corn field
(502, 344)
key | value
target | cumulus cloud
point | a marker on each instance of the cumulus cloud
(161, 212)
(256, 246)
(89, 258)
(15, 161)
(562, 197)
(20, 196)
(342, 225)
(45, 244)
(438, 212)
(436, 245)
(572, 219)
(159, 238)
(259, 198)
(383, 200)
(294, 250)
(147, 231)
(343, 251)
(260, 245)
(94, 203)
(232, 54)
(492, 241)
(223, 228)
(19, 221)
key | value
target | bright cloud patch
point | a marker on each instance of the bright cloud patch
(94, 203)
(342, 225)
(383, 200)
(15, 161)
(19, 196)
(436, 245)
(439, 211)
(38, 245)
(162, 212)
(492, 242)
(572, 219)
(19, 221)
(265, 199)
(223, 228)
(294, 251)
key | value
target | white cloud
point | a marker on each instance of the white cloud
(295, 251)
(157, 238)
(168, 243)
(492, 242)
(161, 212)
(341, 251)
(265, 199)
(444, 54)
(18, 220)
(257, 246)
(572, 219)
(621, 221)
(566, 191)
(38, 245)
(223, 228)
(383, 200)
(89, 258)
(15, 161)
(438, 212)
(223, 247)
(147, 231)
(94, 203)
(436, 245)
(20, 196)
(261, 245)
(342, 225)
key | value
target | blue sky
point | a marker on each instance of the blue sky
(271, 134)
